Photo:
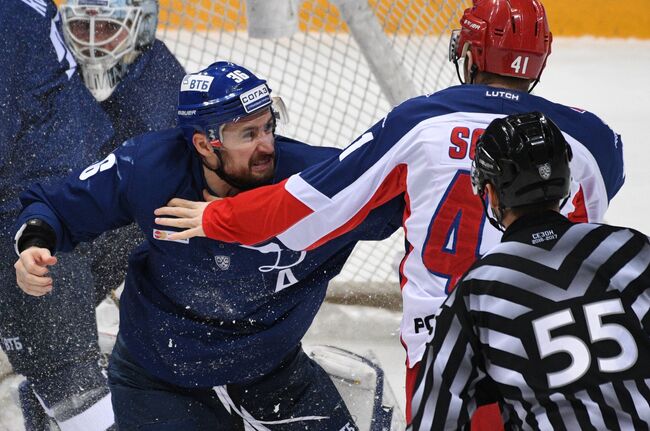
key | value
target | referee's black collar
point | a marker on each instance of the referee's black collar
(530, 220)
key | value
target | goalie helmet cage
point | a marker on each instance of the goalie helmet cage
(340, 65)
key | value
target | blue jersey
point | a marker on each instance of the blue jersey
(198, 312)
(145, 100)
(50, 121)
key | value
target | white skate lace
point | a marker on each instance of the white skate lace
(250, 423)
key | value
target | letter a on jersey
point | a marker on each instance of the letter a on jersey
(285, 279)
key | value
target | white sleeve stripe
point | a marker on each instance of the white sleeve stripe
(366, 137)
(459, 383)
(306, 193)
(416, 399)
(330, 214)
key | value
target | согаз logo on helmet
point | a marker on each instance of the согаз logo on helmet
(252, 99)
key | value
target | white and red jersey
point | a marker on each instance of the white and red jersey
(424, 149)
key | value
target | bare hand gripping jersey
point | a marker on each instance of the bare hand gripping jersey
(423, 148)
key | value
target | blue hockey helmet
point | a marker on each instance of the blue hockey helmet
(221, 93)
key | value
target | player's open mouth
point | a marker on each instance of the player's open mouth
(262, 164)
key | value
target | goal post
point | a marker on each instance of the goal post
(339, 65)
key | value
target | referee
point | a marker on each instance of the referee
(552, 323)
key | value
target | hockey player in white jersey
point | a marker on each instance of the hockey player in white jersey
(424, 148)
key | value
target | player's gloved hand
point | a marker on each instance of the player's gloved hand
(187, 215)
(32, 272)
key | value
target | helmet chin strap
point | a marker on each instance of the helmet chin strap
(532, 87)
(460, 79)
(498, 214)
(472, 75)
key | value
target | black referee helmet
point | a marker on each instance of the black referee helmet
(526, 159)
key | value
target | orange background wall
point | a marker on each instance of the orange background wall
(606, 18)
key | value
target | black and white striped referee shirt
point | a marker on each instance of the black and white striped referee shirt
(555, 319)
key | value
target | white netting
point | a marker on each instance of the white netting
(321, 73)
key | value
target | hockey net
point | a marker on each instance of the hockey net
(339, 65)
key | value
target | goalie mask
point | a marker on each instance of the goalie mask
(220, 94)
(106, 36)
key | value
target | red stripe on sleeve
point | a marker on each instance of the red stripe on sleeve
(253, 216)
(393, 185)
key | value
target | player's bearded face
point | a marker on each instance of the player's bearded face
(248, 152)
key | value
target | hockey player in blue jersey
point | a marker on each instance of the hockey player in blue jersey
(209, 332)
(49, 114)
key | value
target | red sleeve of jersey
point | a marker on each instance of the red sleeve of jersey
(241, 218)
(393, 185)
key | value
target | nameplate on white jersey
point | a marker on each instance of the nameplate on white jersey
(163, 235)
(196, 83)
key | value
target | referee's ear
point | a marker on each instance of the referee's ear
(493, 197)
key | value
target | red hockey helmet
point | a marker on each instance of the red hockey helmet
(506, 37)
